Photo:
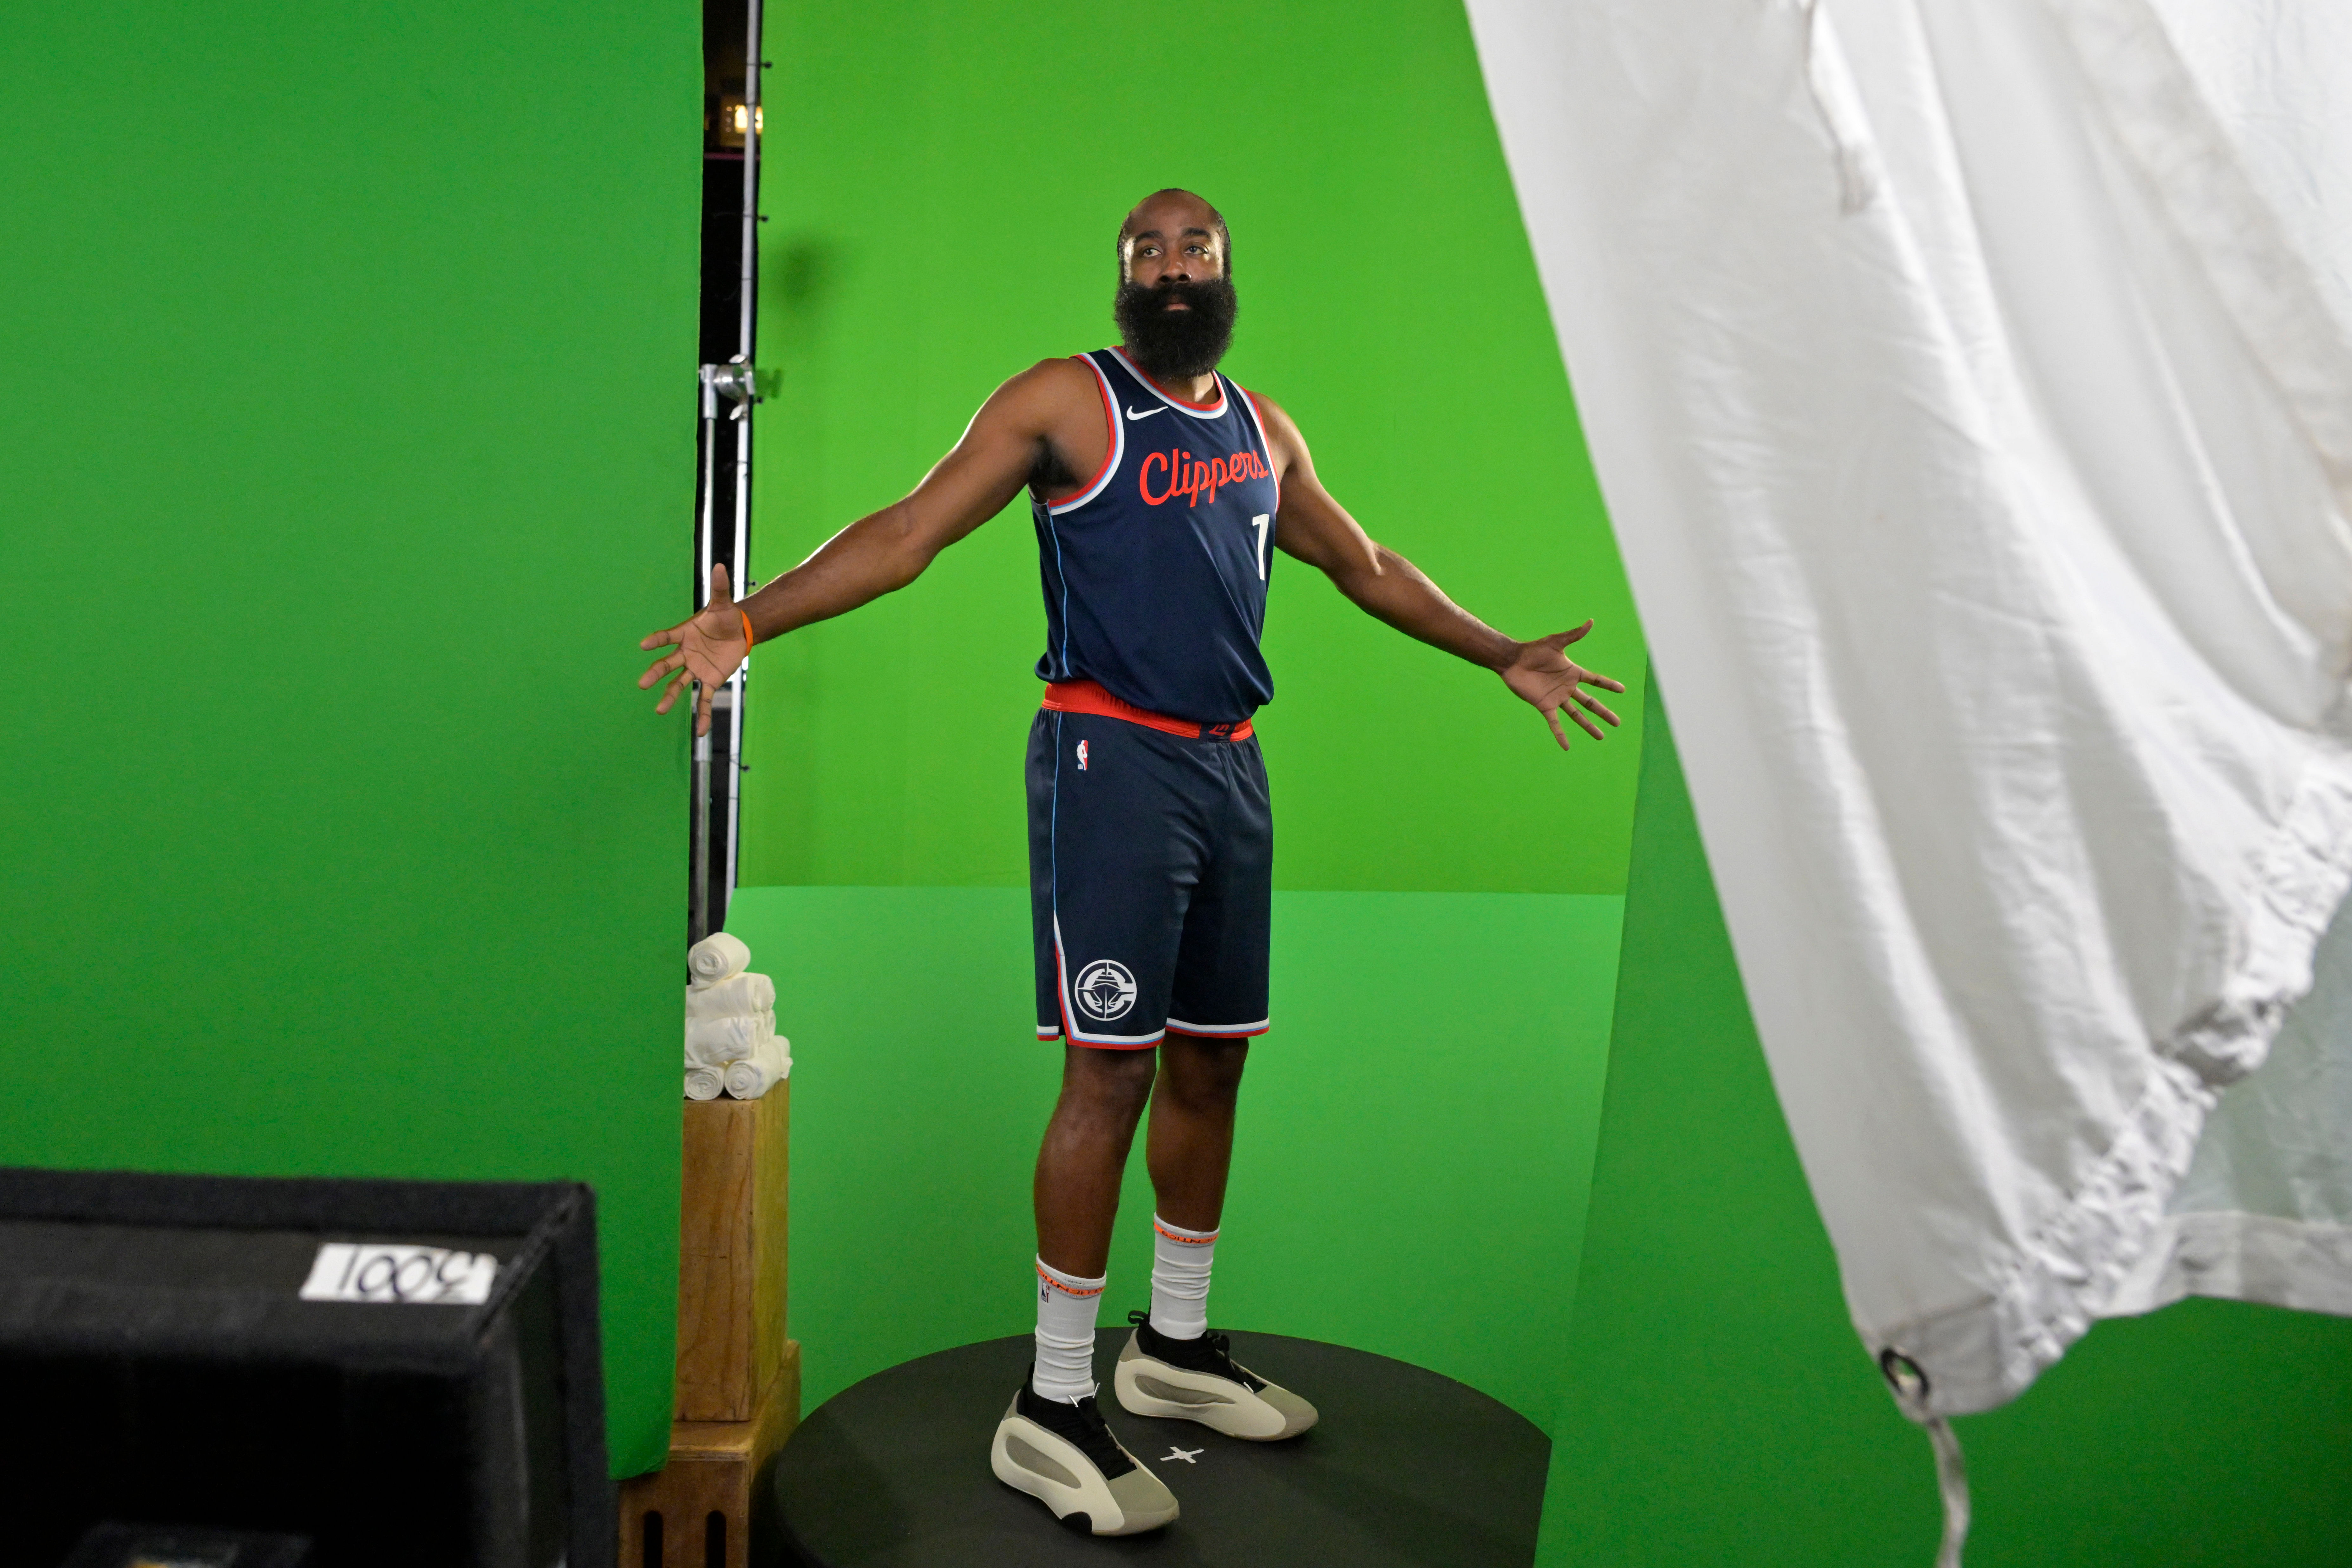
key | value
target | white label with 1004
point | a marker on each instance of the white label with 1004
(391, 1271)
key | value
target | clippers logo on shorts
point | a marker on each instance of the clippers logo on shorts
(1105, 990)
(1082, 756)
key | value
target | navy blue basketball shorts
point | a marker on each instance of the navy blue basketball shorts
(1150, 877)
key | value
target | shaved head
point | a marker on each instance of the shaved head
(1171, 213)
(1175, 305)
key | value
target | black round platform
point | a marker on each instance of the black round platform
(1405, 1468)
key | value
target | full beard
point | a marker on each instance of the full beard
(1175, 345)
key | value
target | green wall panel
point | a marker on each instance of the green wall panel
(1719, 1408)
(1415, 1138)
(946, 181)
(350, 447)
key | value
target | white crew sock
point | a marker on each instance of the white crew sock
(1066, 1334)
(1179, 1280)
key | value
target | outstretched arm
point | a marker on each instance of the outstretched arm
(1317, 529)
(884, 551)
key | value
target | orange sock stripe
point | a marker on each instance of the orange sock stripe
(1065, 1289)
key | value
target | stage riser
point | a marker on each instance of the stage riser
(1405, 1469)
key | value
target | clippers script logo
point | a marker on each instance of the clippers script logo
(1082, 756)
(1105, 990)
(1182, 473)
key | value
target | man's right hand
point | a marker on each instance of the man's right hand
(709, 647)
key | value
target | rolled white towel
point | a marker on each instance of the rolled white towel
(704, 1083)
(717, 957)
(760, 1071)
(715, 1042)
(743, 996)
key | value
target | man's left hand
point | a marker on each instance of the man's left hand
(1544, 675)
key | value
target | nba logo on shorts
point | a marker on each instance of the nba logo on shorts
(1082, 756)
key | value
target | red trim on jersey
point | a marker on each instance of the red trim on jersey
(1257, 416)
(1110, 434)
(1141, 376)
(1088, 696)
(1204, 407)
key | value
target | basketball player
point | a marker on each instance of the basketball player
(1162, 494)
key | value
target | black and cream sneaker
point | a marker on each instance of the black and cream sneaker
(1064, 1456)
(1198, 1380)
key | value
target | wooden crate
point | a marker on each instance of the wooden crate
(734, 1207)
(696, 1511)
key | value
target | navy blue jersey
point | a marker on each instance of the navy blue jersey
(1155, 573)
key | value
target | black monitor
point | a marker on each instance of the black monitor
(402, 1373)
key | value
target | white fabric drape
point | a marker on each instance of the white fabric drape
(1970, 383)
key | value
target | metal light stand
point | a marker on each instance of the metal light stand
(717, 812)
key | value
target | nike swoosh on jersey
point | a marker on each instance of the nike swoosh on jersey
(1147, 414)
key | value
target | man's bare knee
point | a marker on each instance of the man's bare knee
(1105, 1086)
(1200, 1074)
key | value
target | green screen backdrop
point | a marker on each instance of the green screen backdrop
(348, 453)
(946, 183)
(349, 402)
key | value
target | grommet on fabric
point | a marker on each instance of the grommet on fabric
(1903, 1376)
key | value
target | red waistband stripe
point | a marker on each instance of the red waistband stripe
(1088, 696)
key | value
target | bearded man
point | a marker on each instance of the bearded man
(1162, 492)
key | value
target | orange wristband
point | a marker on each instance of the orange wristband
(747, 638)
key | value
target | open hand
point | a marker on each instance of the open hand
(1546, 678)
(709, 647)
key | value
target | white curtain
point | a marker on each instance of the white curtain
(1970, 382)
